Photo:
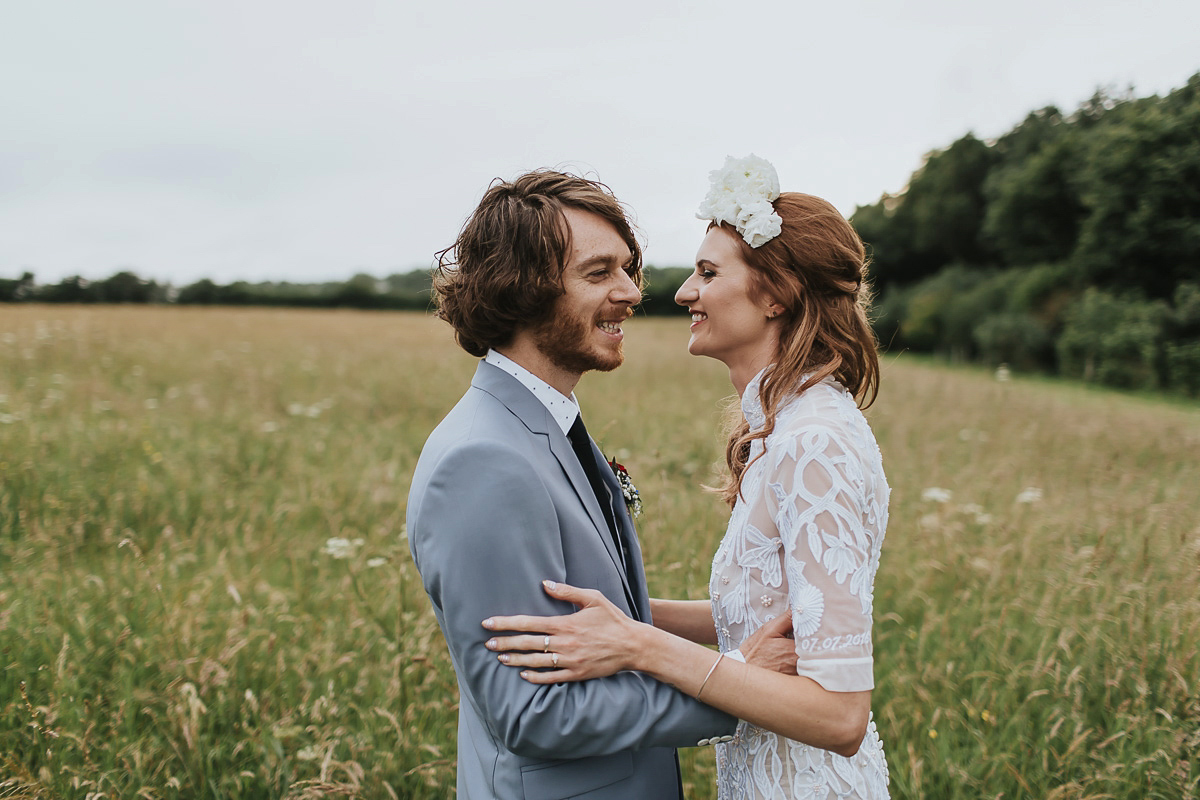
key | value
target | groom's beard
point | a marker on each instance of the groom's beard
(567, 340)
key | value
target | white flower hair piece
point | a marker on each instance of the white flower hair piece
(741, 195)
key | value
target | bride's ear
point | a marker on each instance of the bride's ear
(774, 310)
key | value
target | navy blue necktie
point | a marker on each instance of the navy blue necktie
(581, 443)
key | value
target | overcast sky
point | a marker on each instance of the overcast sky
(301, 140)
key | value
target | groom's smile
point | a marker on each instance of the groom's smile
(599, 292)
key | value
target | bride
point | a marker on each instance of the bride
(778, 296)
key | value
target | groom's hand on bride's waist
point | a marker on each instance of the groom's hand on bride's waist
(772, 646)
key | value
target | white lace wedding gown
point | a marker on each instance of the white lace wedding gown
(807, 534)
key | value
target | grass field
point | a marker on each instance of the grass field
(174, 621)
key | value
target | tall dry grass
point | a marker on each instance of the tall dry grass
(174, 621)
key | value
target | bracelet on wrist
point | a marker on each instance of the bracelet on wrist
(711, 670)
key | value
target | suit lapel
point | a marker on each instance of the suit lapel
(509, 391)
(625, 529)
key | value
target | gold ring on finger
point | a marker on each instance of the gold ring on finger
(554, 659)
(546, 643)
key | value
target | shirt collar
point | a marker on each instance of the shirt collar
(564, 409)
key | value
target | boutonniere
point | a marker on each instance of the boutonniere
(633, 500)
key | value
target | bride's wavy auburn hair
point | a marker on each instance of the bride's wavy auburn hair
(816, 268)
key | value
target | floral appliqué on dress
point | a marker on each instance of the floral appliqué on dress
(806, 534)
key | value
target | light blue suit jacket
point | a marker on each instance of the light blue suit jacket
(499, 502)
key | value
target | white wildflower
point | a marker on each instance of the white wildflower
(1029, 495)
(7, 419)
(151, 404)
(295, 409)
(376, 562)
(269, 427)
(936, 494)
(340, 548)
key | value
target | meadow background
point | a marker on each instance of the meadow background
(176, 622)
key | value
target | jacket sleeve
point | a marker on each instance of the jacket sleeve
(485, 535)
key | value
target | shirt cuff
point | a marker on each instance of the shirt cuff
(736, 655)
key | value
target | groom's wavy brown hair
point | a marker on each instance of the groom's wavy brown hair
(505, 269)
(816, 268)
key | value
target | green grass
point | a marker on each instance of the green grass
(171, 626)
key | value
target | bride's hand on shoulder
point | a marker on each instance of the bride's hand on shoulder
(596, 641)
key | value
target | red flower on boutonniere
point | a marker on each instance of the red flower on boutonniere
(633, 500)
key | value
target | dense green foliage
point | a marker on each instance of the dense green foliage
(1070, 244)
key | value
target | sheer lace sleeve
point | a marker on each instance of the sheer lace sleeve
(819, 495)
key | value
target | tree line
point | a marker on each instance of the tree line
(409, 291)
(402, 291)
(1070, 245)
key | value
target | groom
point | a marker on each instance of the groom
(510, 491)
